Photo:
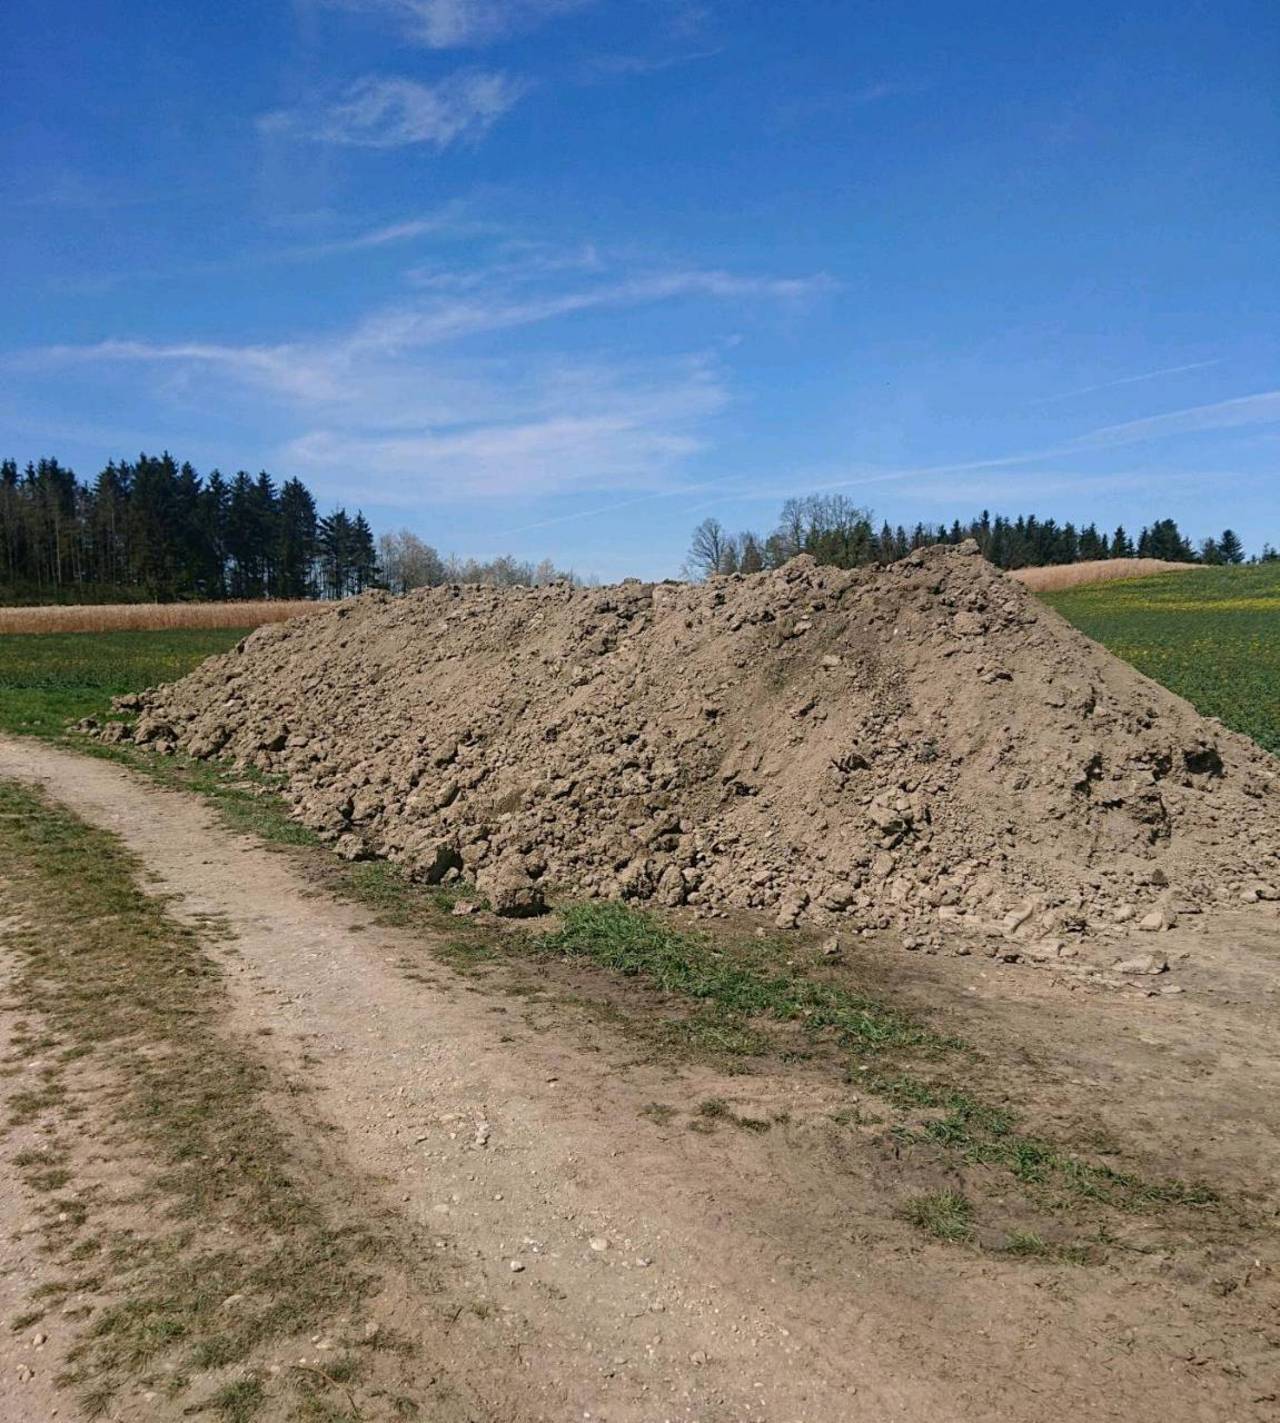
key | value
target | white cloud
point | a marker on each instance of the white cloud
(387, 112)
(398, 402)
(454, 24)
(626, 437)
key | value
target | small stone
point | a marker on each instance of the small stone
(1143, 964)
(598, 1242)
(39, 1340)
(517, 1266)
(1016, 918)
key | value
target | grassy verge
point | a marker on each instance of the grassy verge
(204, 1245)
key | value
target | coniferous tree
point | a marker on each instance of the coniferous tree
(296, 542)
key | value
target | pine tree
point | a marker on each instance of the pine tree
(364, 555)
(334, 541)
(296, 542)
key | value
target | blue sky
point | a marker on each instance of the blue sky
(566, 276)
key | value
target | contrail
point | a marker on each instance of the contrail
(1128, 380)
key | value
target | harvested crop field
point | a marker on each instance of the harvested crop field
(924, 747)
(149, 617)
(1057, 576)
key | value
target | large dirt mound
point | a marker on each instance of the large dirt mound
(925, 747)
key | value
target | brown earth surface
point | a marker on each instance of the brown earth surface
(925, 747)
(729, 1275)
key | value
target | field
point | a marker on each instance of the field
(50, 679)
(1059, 576)
(148, 617)
(1210, 634)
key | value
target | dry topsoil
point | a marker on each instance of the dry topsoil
(923, 747)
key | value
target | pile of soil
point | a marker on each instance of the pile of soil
(923, 747)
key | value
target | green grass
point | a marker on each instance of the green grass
(49, 679)
(1211, 635)
(946, 1215)
(899, 1060)
(690, 965)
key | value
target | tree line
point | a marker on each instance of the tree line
(834, 530)
(155, 529)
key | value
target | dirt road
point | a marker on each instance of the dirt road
(627, 1269)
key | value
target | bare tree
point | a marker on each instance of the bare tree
(408, 563)
(709, 549)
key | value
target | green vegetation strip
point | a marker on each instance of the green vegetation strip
(631, 942)
(236, 1252)
(49, 679)
(1211, 635)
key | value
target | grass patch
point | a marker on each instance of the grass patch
(946, 1215)
(1027, 1245)
(238, 1401)
(689, 965)
(981, 1134)
(229, 1214)
(947, 1118)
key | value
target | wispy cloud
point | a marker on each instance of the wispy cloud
(828, 103)
(324, 370)
(450, 319)
(621, 429)
(387, 112)
(1260, 409)
(424, 420)
(456, 24)
(413, 398)
(451, 221)
(1128, 380)
(613, 66)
